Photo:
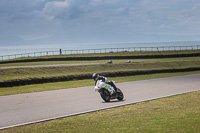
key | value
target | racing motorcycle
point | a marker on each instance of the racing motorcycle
(107, 92)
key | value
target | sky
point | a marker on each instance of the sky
(30, 22)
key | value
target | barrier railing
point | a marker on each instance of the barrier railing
(102, 50)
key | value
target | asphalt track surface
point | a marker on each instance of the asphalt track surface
(28, 108)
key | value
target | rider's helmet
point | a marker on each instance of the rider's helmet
(95, 76)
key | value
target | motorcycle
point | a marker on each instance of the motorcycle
(107, 92)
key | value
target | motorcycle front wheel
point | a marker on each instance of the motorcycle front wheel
(105, 95)
(120, 95)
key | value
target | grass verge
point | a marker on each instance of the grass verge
(60, 71)
(180, 114)
(97, 61)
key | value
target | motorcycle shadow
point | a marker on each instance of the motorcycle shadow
(114, 101)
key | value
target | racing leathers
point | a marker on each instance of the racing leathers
(104, 79)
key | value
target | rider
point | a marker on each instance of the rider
(97, 77)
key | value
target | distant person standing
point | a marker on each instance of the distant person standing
(60, 51)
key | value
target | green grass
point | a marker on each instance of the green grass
(137, 64)
(58, 71)
(180, 114)
(99, 61)
(80, 83)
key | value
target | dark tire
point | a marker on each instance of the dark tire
(105, 95)
(120, 95)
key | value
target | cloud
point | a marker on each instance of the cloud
(55, 9)
(189, 20)
(43, 18)
(193, 13)
(18, 10)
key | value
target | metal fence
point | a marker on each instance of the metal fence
(102, 50)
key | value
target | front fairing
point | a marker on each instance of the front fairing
(99, 85)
